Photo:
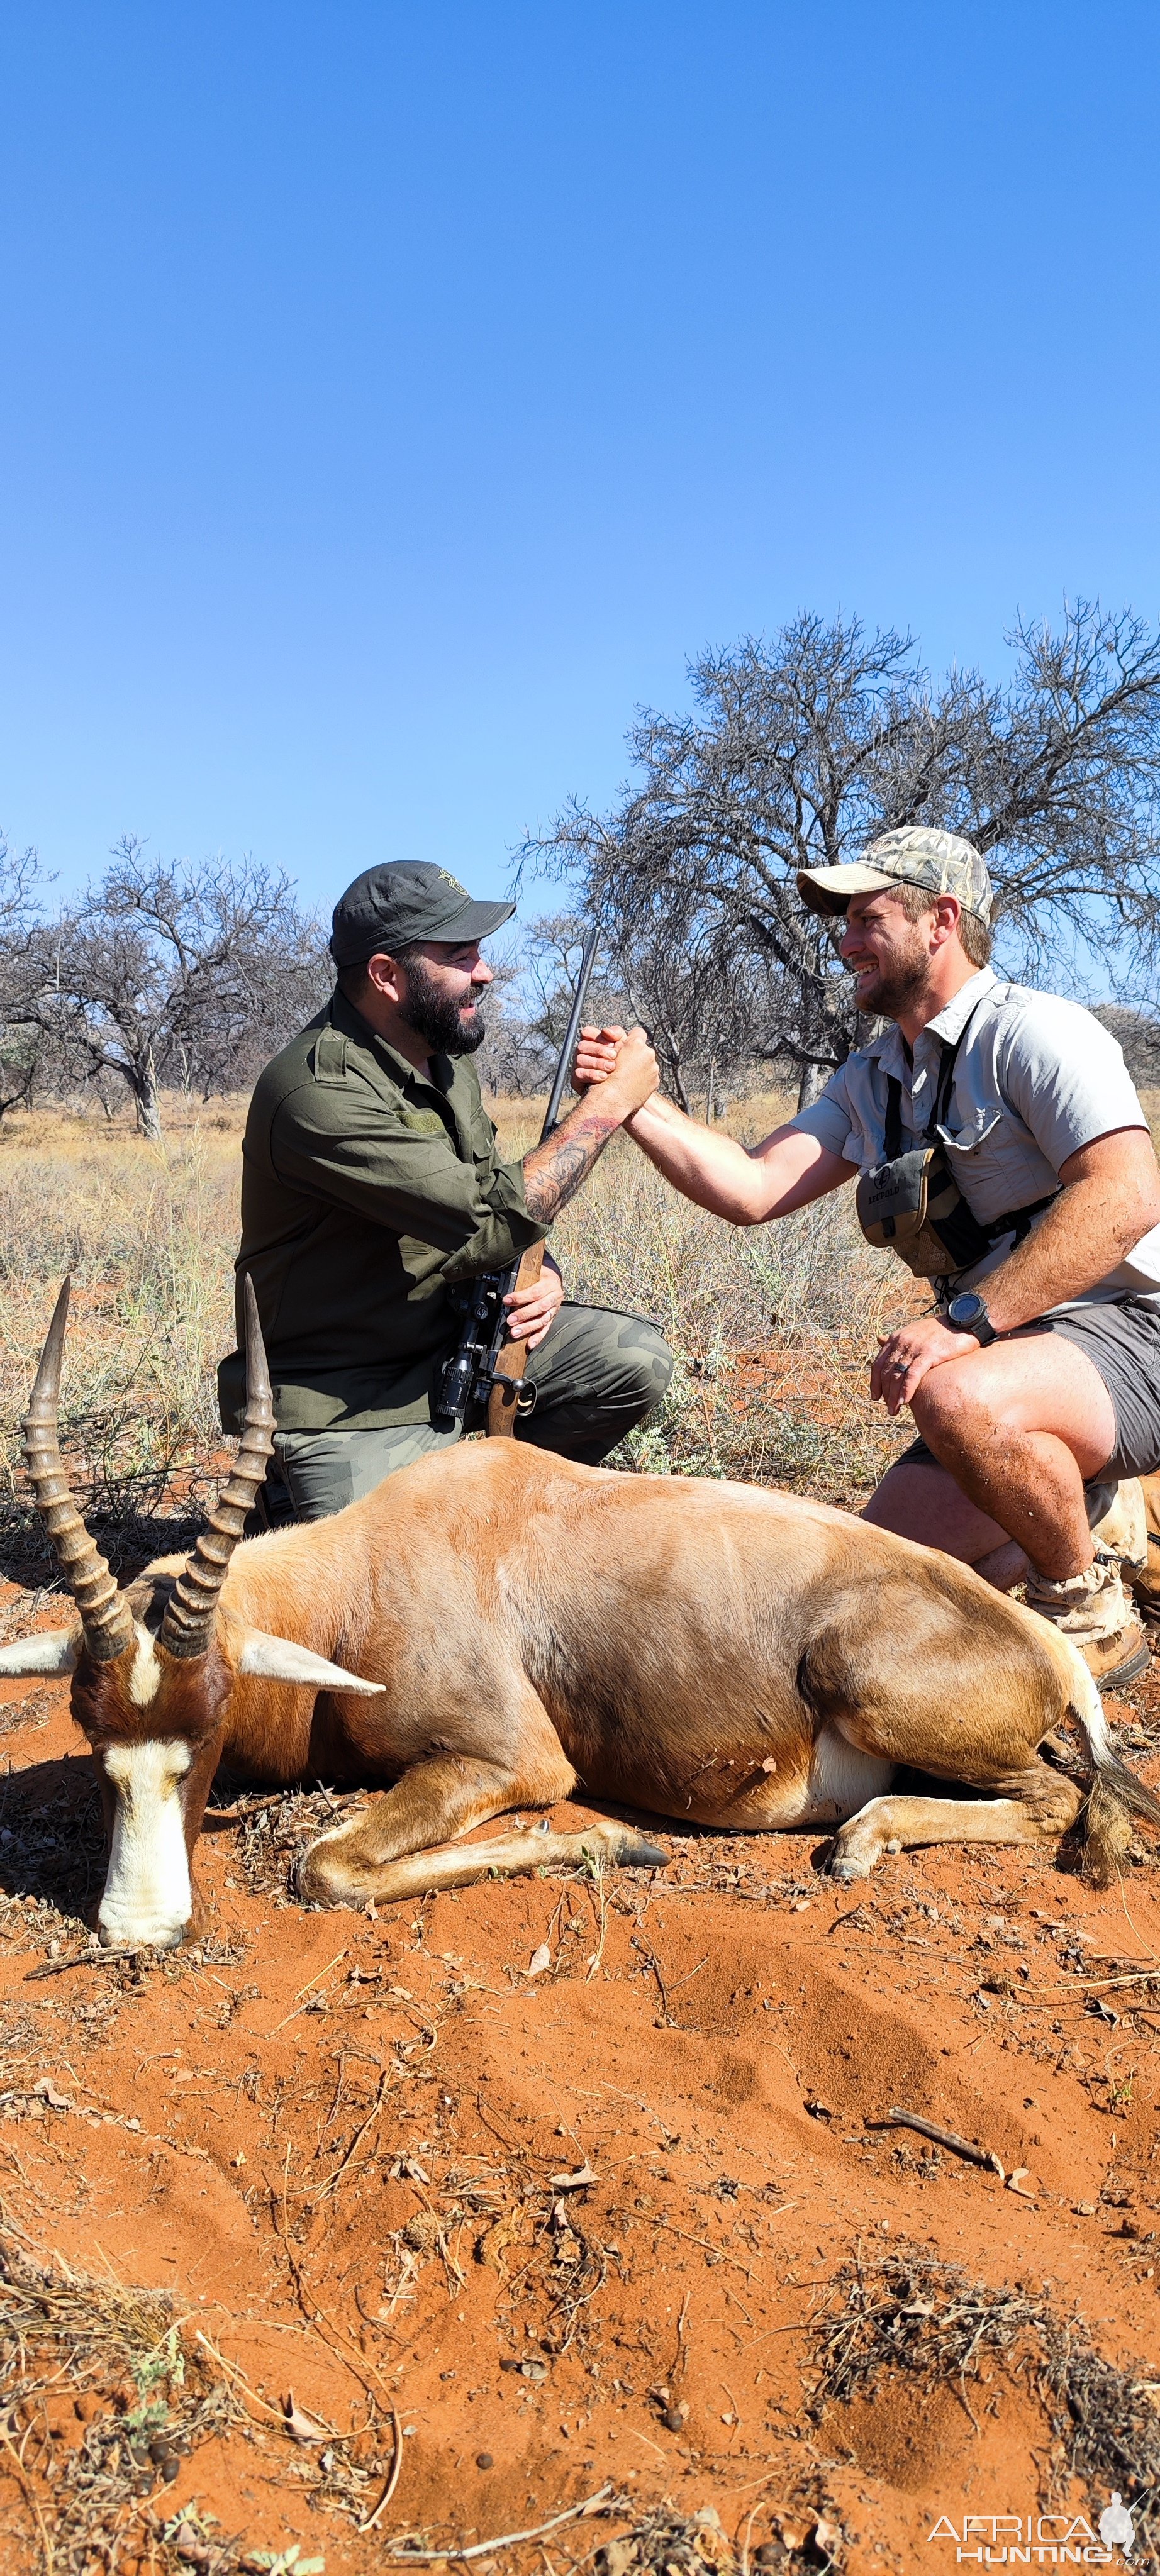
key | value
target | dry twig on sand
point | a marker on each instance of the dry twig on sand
(605, 2500)
(896, 2119)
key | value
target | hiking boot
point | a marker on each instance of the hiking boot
(1146, 1584)
(1093, 1609)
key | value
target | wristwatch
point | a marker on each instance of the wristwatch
(968, 1314)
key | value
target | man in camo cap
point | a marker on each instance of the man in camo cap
(939, 861)
(1034, 1378)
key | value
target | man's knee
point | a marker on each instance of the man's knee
(598, 1375)
(644, 1363)
(598, 1354)
(948, 1408)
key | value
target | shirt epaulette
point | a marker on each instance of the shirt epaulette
(328, 1056)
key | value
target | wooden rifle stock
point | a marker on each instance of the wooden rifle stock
(511, 1358)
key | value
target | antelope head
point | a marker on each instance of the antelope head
(152, 1692)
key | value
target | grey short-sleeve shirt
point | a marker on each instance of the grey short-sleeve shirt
(1035, 1079)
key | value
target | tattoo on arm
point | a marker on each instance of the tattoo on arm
(555, 1170)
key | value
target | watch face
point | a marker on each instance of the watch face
(967, 1309)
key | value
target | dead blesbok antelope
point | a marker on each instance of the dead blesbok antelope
(496, 1624)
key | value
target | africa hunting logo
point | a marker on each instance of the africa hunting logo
(1040, 2539)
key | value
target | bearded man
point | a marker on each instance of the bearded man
(1004, 1153)
(373, 1187)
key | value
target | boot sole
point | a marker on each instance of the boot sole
(1132, 1669)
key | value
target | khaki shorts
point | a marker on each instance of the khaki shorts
(1122, 1341)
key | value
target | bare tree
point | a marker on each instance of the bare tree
(190, 975)
(24, 1045)
(1138, 1033)
(799, 751)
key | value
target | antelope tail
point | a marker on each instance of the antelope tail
(1115, 1795)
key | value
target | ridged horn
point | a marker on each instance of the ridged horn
(105, 1614)
(189, 1612)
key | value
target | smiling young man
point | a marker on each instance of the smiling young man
(373, 1187)
(1034, 1380)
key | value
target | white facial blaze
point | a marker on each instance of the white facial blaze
(145, 1678)
(148, 1897)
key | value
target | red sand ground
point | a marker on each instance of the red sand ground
(338, 2141)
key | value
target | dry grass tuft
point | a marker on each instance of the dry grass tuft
(696, 2545)
(102, 2401)
(148, 1233)
(910, 2314)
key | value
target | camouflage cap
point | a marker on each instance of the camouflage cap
(939, 860)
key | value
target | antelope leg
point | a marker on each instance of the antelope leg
(605, 1845)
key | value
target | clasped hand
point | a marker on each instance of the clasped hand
(908, 1355)
(596, 1056)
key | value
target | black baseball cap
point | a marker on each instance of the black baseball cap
(407, 899)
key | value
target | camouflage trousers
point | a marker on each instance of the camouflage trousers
(596, 1374)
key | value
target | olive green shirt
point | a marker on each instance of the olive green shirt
(368, 1191)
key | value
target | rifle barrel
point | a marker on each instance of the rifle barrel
(567, 1051)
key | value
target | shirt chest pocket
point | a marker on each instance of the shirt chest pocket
(976, 1128)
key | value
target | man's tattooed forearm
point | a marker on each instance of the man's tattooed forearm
(555, 1170)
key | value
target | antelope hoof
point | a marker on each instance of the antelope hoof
(847, 1865)
(631, 1852)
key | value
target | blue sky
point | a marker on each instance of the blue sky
(395, 397)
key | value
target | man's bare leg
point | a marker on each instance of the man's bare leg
(920, 1500)
(1018, 1428)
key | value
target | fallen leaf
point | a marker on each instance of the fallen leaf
(826, 2535)
(45, 2091)
(493, 2245)
(408, 2169)
(713, 2549)
(1019, 2180)
(191, 2546)
(540, 1959)
(302, 2428)
(573, 2181)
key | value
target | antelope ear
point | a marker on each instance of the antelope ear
(279, 1661)
(51, 1650)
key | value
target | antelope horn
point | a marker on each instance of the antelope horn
(105, 1614)
(189, 1612)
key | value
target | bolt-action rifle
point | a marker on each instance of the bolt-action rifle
(486, 1366)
